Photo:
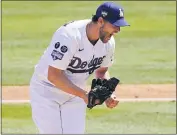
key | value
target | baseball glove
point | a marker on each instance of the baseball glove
(101, 90)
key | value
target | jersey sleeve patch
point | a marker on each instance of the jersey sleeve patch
(56, 55)
(57, 45)
(64, 49)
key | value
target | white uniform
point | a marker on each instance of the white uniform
(55, 111)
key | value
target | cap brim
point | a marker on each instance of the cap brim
(121, 23)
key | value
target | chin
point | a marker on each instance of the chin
(103, 40)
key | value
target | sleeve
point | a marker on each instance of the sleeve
(62, 49)
(109, 59)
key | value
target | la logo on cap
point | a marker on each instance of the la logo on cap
(121, 14)
(104, 13)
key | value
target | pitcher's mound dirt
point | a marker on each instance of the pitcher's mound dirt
(122, 91)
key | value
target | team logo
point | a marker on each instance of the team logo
(104, 13)
(64, 49)
(121, 13)
(57, 55)
(78, 66)
(57, 45)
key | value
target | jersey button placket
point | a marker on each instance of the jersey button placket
(93, 55)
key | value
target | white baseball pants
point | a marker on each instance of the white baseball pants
(56, 112)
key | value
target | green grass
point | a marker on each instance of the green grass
(145, 52)
(127, 118)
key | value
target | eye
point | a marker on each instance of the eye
(116, 29)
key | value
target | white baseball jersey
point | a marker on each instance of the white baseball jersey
(70, 50)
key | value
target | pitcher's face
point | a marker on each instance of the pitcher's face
(106, 31)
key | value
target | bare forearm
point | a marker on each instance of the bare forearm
(106, 75)
(63, 83)
(102, 74)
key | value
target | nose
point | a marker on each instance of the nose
(117, 29)
(115, 32)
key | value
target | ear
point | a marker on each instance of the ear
(100, 21)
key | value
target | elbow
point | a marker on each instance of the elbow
(53, 74)
(51, 77)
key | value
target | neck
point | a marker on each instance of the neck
(92, 32)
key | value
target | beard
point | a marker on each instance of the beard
(103, 35)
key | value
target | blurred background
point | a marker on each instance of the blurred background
(145, 51)
(145, 54)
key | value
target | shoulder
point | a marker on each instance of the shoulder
(72, 32)
(65, 36)
(73, 29)
(64, 32)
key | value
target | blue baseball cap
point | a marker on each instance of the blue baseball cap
(112, 13)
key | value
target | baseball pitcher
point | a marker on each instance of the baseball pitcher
(77, 49)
